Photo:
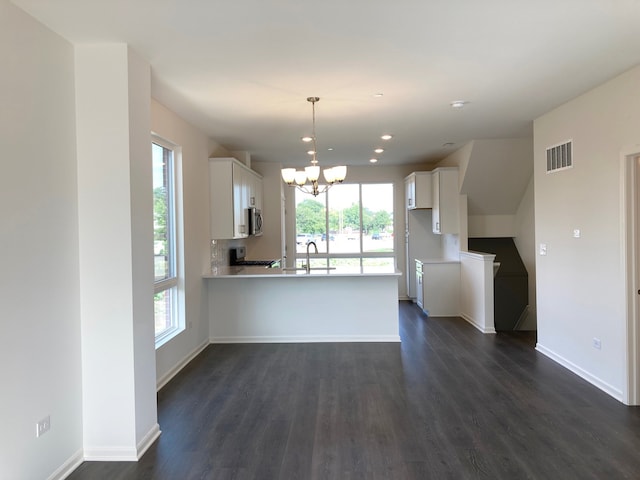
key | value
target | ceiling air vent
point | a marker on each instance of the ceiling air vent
(560, 157)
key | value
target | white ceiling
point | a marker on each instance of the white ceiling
(241, 70)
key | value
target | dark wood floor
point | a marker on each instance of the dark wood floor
(446, 403)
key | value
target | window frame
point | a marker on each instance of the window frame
(172, 284)
(324, 258)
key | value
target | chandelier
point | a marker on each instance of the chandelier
(299, 178)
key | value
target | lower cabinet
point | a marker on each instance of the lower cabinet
(440, 287)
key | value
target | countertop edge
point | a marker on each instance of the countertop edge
(250, 272)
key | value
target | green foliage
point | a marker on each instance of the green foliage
(380, 220)
(160, 214)
(351, 217)
(310, 216)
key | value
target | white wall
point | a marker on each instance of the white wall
(196, 149)
(39, 287)
(116, 251)
(580, 282)
(525, 243)
(489, 226)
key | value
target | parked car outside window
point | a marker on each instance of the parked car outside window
(303, 238)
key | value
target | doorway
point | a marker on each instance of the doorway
(631, 261)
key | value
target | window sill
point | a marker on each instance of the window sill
(168, 335)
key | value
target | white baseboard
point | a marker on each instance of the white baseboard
(592, 379)
(110, 454)
(162, 381)
(67, 467)
(151, 436)
(122, 454)
(482, 328)
(309, 339)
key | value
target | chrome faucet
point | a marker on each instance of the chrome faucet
(308, 263)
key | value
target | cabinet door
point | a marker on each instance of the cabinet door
(240, 202)
(255, 191)
(435, 209)
(445, 212)
(221, 193)
(417, 188)
(410, 191)
(422, 196)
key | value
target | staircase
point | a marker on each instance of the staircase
(511, 291)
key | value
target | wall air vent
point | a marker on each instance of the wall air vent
(560, 157)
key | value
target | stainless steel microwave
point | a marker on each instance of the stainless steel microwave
(255, 221)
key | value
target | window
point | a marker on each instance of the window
(165, 245)
(351, 224)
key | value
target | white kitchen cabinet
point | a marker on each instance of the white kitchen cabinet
(232, 189)
(255, 190)
(440, 287)
(445, 203)
(418, 190)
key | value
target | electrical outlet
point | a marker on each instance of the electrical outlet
(597, 344)
(576, 233)
(43, 426)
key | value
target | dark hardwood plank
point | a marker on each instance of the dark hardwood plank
(446, 403)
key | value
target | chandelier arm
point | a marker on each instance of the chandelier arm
(337, 175)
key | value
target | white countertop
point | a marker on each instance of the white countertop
(262, 272)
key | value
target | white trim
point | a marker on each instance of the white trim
(67, 467)
(592, 379)
(175, 283)
(110, 454)
(480, 327)
(166, 378)
(630, 238)
(309, 339)
(123, 454)
(144, 444)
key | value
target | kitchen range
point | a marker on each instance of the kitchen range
(237, 258)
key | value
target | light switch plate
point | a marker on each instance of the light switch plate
(576, 233)
(543, 249)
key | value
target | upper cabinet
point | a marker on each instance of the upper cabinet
(255, 190)
(418, 190)
(445, 209)
(233, 189)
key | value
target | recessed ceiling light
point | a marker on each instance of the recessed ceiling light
(448, 145)
(311, 152)
(379, 150)
(458, 103)
(330, 149)
(373, 160)
(386, 136)
(378, 95)
(306, 139)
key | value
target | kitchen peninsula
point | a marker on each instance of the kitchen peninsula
(274, 305)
